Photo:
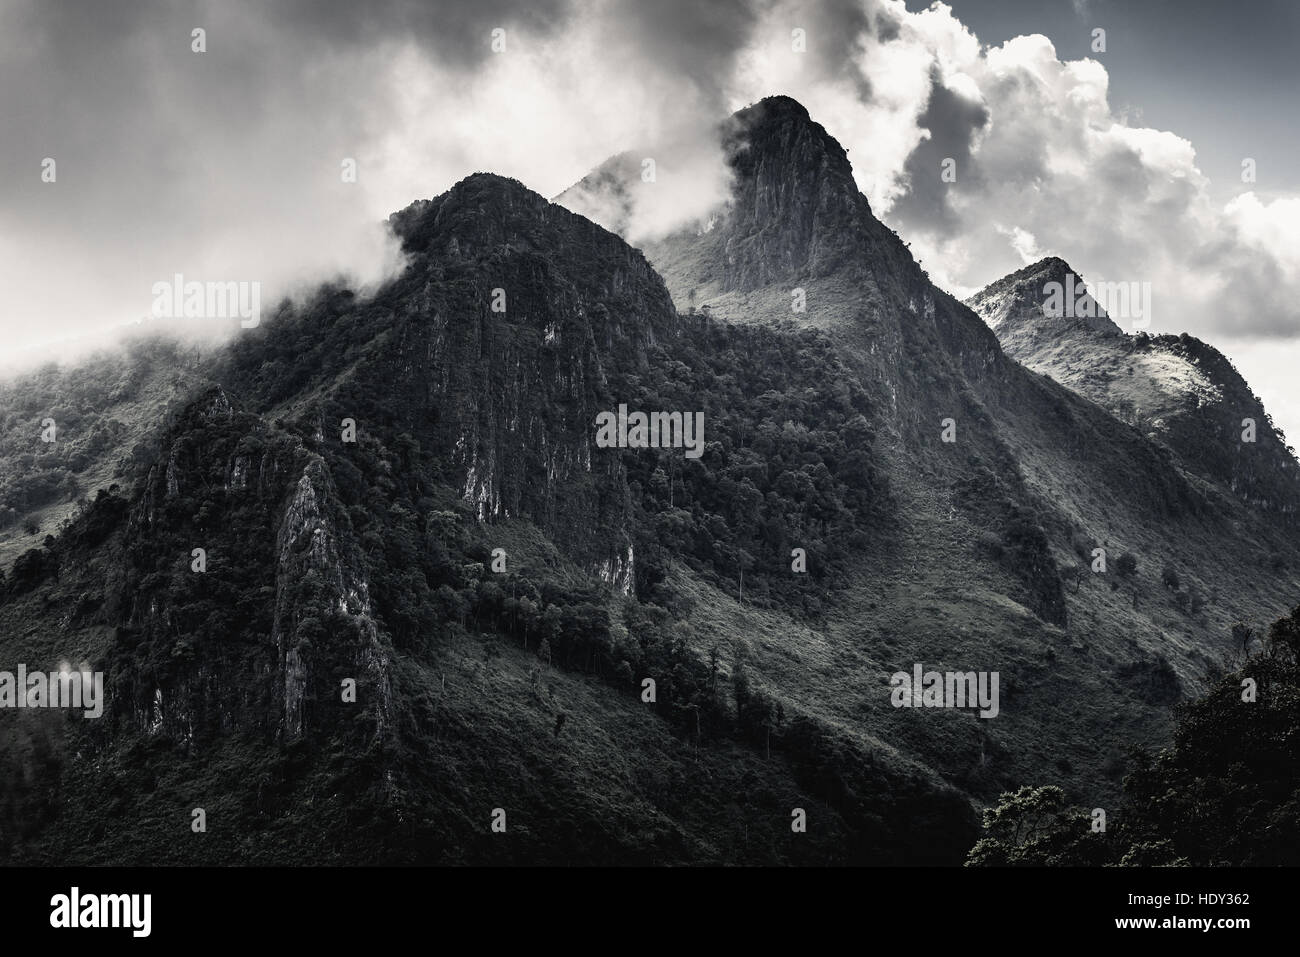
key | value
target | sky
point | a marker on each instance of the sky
(226, 163)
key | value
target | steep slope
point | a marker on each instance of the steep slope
(1178, 391)
(68, 431)
(407, 492)
(1017, 507)
(377, 560)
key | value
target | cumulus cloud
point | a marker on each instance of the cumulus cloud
(1041, 162)
(226, 164)
(1023, 242)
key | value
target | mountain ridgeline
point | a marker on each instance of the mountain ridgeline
(371, 580)
(1180, 392)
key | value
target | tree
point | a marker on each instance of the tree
(1127, 565)
(450, 604)
(659, 483)
(1036, 827)
(1225, 793)
(1243, 633)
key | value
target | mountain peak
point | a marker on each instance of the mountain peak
(1045, 299)
(773, 109)
(794, 213)
(1175, 389)
(1047, 269)
(776, 140)
(483, 199)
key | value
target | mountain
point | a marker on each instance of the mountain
(67, 432)
(431, 601)
(1177, 390)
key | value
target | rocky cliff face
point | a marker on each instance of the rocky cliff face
(797, 242)
(795, 211)
(310, 547)
(507, 351)
(263, 512)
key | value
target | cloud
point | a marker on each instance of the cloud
(1257, 257)
(1043, 162)
(1023, 242)
(226, 164)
